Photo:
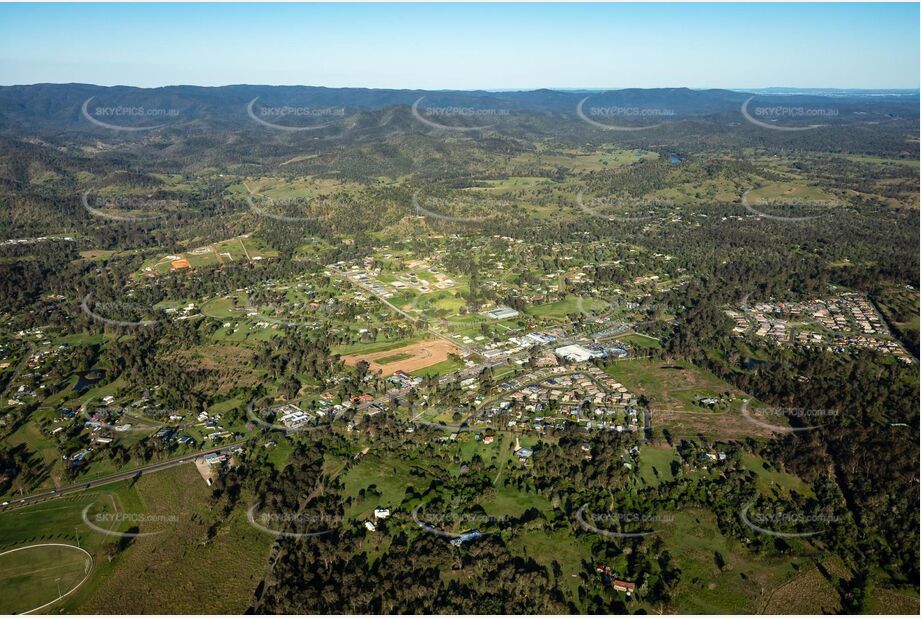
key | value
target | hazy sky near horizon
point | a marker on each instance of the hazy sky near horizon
(469, 46)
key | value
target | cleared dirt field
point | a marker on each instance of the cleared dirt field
(721, 425)
(672, 389)
(809, 593)
(411, 357)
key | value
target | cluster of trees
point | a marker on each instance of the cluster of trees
(868, 440)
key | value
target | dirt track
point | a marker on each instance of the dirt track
(424, 354)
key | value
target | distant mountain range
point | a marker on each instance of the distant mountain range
(836, 92)
(44, 108)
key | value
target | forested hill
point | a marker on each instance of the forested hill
(51, 108)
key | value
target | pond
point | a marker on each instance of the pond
(88, 379)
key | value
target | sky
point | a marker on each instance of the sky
(464, 46)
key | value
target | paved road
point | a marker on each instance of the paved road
(112, 478)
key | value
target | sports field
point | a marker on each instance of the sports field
(35, 575)
(408, 358)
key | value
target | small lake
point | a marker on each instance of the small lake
(88, 379)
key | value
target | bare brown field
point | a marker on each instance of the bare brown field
(809, 593)
(229, 366)
(721, 425)
(890, 601)
(423, 354)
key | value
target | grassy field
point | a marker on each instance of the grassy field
(742, 585)
(508, 502)
(239, 249)
(33, 576)
(286, 189)
(900, 306)
(30, 434)
(809, 593)
(376, 475)
(893, 601)
(224, 307)
(784, 191)
(673, 388)
(912, 162)
(229, 562)
(559, 546)
(568, 306)
(670, 385)
(439, 369)
(60, 521)
(774, 480)
(641, 341)
(393, 358)
(371, 348)
(655, 464)
(586, 161)
(694, 190)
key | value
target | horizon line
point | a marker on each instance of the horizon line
(575, 89)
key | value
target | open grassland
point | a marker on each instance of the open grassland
(656, 464)
(894, 601)
(641, 341)
(579, 161)
(59, 521)
(439, 369)
(691, 192)
(900, 307)
(510, 184)
(789, 194)
(373, 347)
(809, 592)
(558, 546)
(673, 388)
(306, 187)
(719, 575)
(770, 481)
(393, 358)
(225, 307)
(912, 162)
(568, 306)
(216, 553)
(31, 435)
(379, 482)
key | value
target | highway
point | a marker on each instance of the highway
(114, 478)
